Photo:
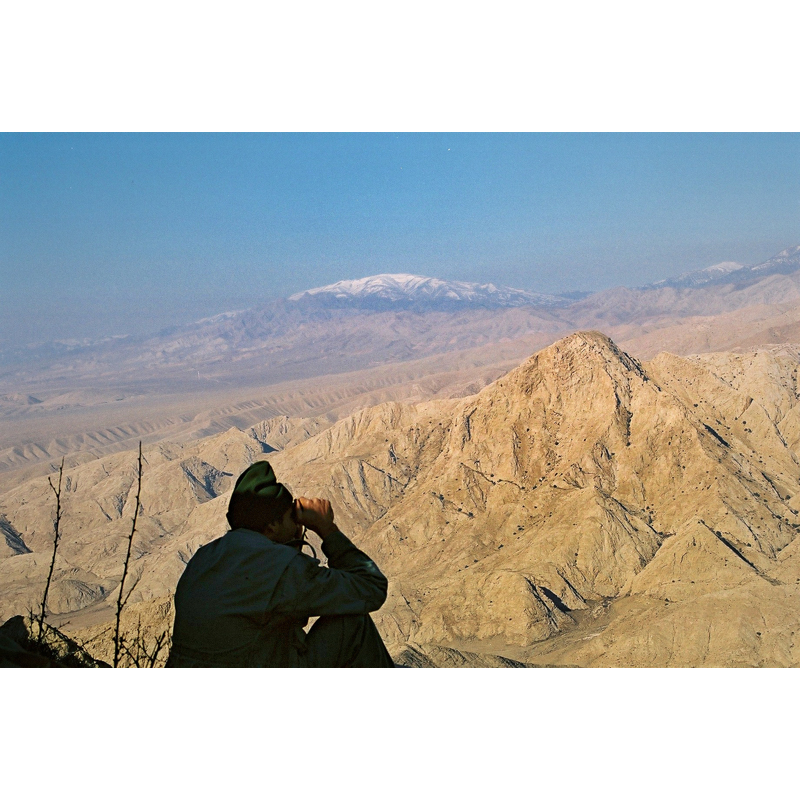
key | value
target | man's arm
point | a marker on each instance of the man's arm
(351, 584)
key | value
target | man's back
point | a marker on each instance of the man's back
(243, 599)
(223, 603)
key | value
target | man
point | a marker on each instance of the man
(244, 599)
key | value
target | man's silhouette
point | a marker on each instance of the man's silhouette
(244, 599)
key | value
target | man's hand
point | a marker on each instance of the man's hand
(316, 514)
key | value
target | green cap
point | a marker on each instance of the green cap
(258, 499)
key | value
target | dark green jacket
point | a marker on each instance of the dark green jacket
(243, 600)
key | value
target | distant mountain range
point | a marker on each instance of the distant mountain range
(383, 319)
(404, 291)
(418, 292)
(786, 262)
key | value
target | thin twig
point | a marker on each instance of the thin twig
(120, 601)
(57, 533)
(141, 656)
(152, 657)
(136, 648)
(132, 588)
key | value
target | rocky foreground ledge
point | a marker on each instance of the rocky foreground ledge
(21, 646)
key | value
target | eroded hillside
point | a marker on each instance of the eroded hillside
(585, 509)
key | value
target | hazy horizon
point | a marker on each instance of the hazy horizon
(112, 234)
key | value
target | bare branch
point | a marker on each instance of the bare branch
(56, 535)
(132, 589)
(161, 640)
(120, 601)
(136, 649)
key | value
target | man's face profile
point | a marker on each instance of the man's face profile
(286, 528)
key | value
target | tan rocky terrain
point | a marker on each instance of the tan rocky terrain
(584, 509)
(82, 425)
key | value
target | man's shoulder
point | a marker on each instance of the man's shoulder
(246, 539)
(239, 558)
(244, 544)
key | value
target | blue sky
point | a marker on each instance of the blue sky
(120, 233)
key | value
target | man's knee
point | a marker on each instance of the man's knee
(346, 640)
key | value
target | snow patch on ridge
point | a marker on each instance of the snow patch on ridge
(399, 287)
(786, 262)
(700, 276)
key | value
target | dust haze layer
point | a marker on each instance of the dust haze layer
(381, 319)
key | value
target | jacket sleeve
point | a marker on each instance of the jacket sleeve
(350, 584)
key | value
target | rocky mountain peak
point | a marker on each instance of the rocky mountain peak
(575, 359)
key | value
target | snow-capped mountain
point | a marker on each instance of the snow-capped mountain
(699, 277)
(403, 290)
(787, 261)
